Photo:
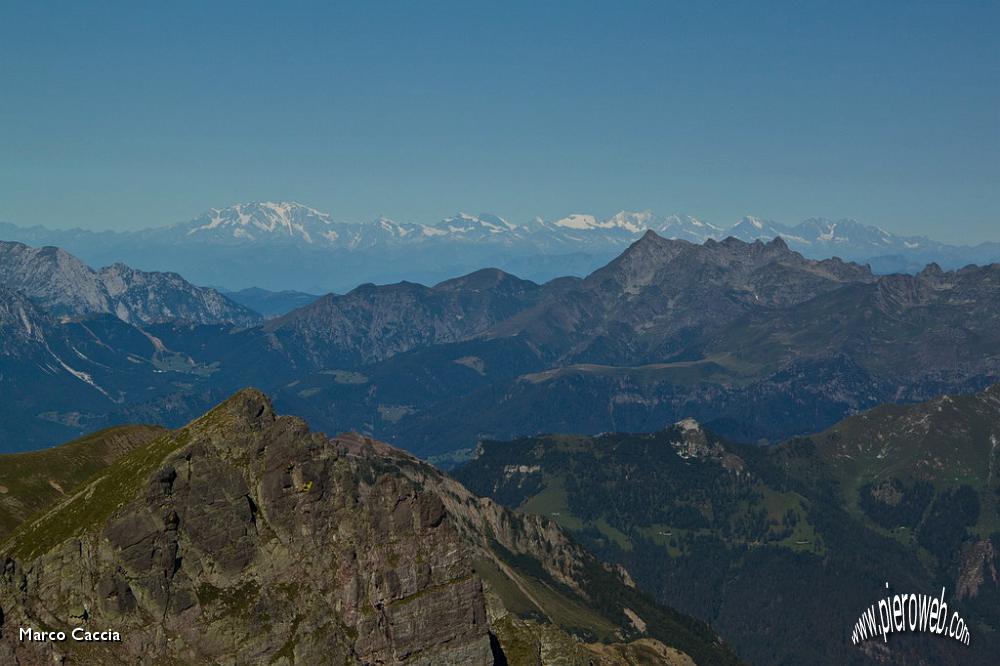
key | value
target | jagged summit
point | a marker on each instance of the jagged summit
(931, 269)
(652, 252)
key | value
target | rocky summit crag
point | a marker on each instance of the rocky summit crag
(245, 538)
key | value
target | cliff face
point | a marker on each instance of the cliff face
(250, 538)
(245, 538)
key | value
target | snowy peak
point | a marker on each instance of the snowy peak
(580, 222)
(688, 228)
(250, 221)
(822, 230)
(389, 227)
(463, 223)
(638, 222)
(632, 221)
(820, 236)
(751, 228)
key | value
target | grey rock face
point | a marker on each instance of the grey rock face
(20, 322)
(245, 538)
(64, 285)
(256, 540)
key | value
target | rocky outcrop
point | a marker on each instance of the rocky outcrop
(693, 442)
(246, 538)
(977, 568)
(250, 521)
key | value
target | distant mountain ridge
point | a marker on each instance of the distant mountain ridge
(373, 323)
(73, 348)
(660, 287)
(64, 285)
(55, 376)
(290, 246)
(270, 303)
(753, 339)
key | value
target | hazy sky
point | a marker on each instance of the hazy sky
(125, 115)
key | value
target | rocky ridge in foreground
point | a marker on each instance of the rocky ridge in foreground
(246, 538)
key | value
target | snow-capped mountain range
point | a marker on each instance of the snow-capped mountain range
(299, 224)
(276, 222)
(287, 245)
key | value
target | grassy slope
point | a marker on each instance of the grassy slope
(949, 442)
(113, 486)
(30, 482)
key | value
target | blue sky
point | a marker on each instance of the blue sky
(126, 115)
